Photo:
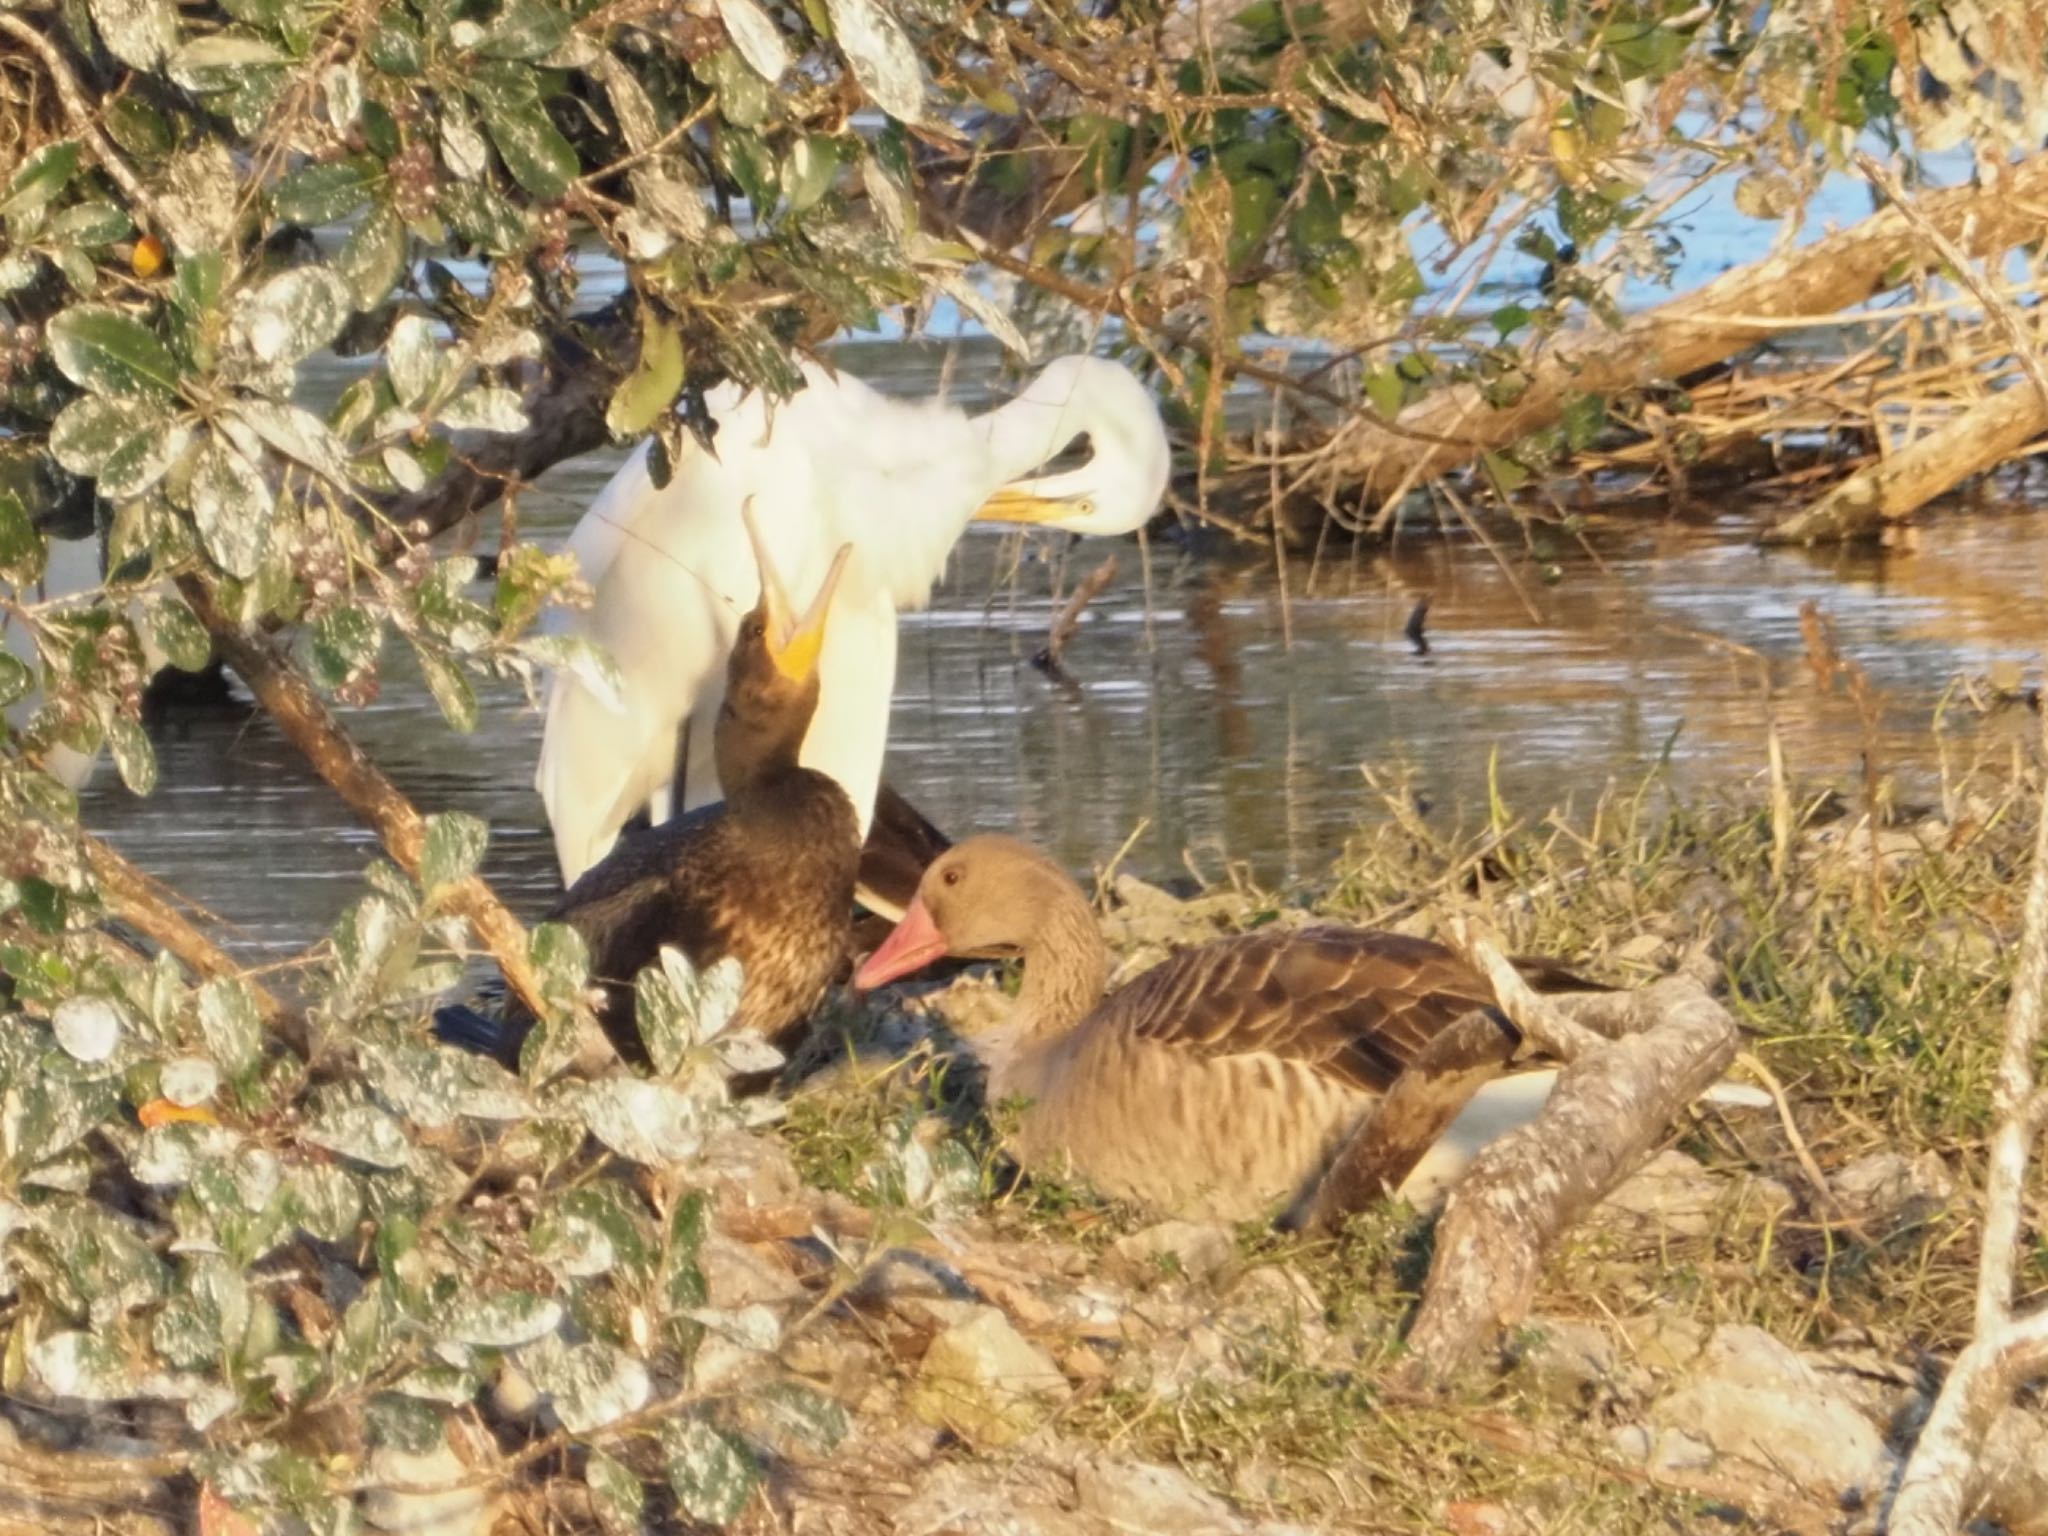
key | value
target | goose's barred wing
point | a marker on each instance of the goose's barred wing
(1354, 1004)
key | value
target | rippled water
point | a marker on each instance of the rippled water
(1193, 714)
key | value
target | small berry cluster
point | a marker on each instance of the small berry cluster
(19, 347)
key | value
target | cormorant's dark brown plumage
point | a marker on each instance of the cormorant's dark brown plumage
(767, 875)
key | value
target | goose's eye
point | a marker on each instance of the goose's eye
(952, 876)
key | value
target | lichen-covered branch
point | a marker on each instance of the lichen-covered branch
(1529, 1188)
(290, 700)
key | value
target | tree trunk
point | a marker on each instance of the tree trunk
(1454, 426)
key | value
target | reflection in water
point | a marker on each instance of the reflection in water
(1205, 724)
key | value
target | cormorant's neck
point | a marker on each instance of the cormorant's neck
(752, 753)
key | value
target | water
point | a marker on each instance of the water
(1193, 716)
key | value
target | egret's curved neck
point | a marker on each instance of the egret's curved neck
(1025, 433)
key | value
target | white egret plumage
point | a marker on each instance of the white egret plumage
(839, 463)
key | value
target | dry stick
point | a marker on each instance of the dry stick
(1705, 327)
(290, 700)
(1936, 1488)
(147, 906)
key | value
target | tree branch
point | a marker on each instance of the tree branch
(290, 700)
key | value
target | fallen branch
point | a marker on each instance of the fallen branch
(1980, 439)
(145, 905)
(1737, 310)
(1532, 1186)
(290, 700)
(1942, 1476)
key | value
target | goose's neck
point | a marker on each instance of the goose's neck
(1066, 968)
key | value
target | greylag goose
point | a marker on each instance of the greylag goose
(1220, 1084)
(766, 875)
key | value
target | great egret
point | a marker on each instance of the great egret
(839, 463)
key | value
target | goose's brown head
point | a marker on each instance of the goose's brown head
(771, 677)
(981, 899)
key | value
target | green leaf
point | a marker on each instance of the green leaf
(1508, 319)
(454, 848)
(503, 1319)
(90, 432)
(885, 62)
(345, 640)
(90, 225)
(199, 282)
(1383, 387)
(41, 177)
(221, 61)
(683, 1280)
(231, 505)
(451, 689)
(21, 547)
(562, 960)
(295, 314)
(175, 630)
(485, 408)
(659, 1016)
(651, 387)
(321, 194)
(1254, 205)
(744, 99)
(373, 258)
(394, 46)
(1507, 475)
(133, 755)
(140, 33)
(711, 1470)
(808, 170)
(618, 1497)
(138, 127)
(533, 149)
(483, 218)
(750, 163)
(759, 40)
(17, 680)
(1584, 416)
(107, 352)
(230, 1024)
(526, 29)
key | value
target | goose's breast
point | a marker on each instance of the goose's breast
(1225, 1138)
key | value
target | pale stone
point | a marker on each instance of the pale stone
(986, 1382)
(1143, 1496)
(1187, 1249)
(1754, 1401)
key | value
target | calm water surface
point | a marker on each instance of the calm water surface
(1194, 715)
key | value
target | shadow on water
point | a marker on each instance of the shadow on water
(1575, 666)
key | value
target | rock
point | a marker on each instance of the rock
(1183, 1249)
(1673, 1196)
(453, 1511)
(1143, 1496)
(1572, 1364)
(978, 1499)
(986, 1382)
(737, 1275)
(751, 1171)
(1753, 1400)
(2015, 1472)
(1886, 1192)
(1665, 1341)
